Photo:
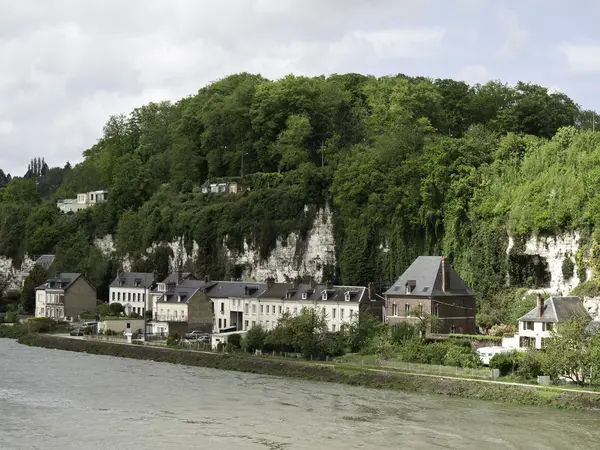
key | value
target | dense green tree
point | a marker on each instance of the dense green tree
(37, 276)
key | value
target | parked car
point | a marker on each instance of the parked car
(77, 332)
(197, 336)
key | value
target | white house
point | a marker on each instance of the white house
(246, 304)
(132, 290)
(183, 307)
(537, 324)
(84, 200)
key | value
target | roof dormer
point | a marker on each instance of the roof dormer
(347, 296)
(324, 295)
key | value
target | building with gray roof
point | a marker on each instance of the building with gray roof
(431, 286)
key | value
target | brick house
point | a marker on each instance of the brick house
(64, 297)
(431, 285)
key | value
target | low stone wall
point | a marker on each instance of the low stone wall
(327, 372)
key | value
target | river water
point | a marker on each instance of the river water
(51, 399)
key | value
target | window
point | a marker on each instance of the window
(296, 311)
(436, 309)
(254, 323)
(324, 295)
(394, 310)
(246, 308)
(222, 307)
(219, 324)
(267, 309)
(224, 323)
(143, 297)
(342, 313)
(406, 308)
(304, 296)
(528, 326)
(262, 309)
(245, 324)
(118, 296)
(267, 325)
(333, 313)
(280, 308)
(333, 328)
(453, 329)
(128, 324)
(114, 296)
(347, 296)
(287, 309)
(546, 326)
(129, 296)
(351, 313)
(253, 309)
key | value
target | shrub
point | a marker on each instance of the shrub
(116, 309)
(568, 268)
(506, 362)
(40, 324)
(433, 353)
(530, 364)
(173, 339)
(402, 332)
(234, 341)
(383, 346)
(502, 330)
(254, 339)
(11, 317)
(475, 337)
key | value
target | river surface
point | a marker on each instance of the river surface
(52, 399)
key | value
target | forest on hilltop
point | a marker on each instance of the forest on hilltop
(408, 165)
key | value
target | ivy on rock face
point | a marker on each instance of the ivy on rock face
(408, 166)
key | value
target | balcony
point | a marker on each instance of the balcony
(170, 318)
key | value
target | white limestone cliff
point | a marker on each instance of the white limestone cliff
(554, 250)
(291, 258)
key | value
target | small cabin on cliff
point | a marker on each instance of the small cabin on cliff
(431, 286)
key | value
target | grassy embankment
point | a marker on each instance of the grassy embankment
(357, 376)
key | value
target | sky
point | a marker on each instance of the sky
(66, 66)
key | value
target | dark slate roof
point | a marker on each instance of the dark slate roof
(558, 309)
(186, 289)
(173, 277)
(425, 274)
(293, 292)
(62, 281)
(129, 279)
(224, 289)
(44, 261)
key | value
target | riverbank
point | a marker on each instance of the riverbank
(356, 376)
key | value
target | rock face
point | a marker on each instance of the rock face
(292, 257)
(14, 275)
(553, 251)
(592, 304)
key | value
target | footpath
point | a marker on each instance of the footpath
(365, 368)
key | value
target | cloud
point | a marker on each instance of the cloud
(72, 64)
(584, 58)
(516, 36)
(474, 74)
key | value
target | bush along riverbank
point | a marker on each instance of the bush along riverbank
(356, 376)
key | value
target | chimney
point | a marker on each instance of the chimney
(444, 274)
(540, 305)
(270, 282)
(179, 276)
(370, 290)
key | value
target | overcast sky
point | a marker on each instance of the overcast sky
(67, 65)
